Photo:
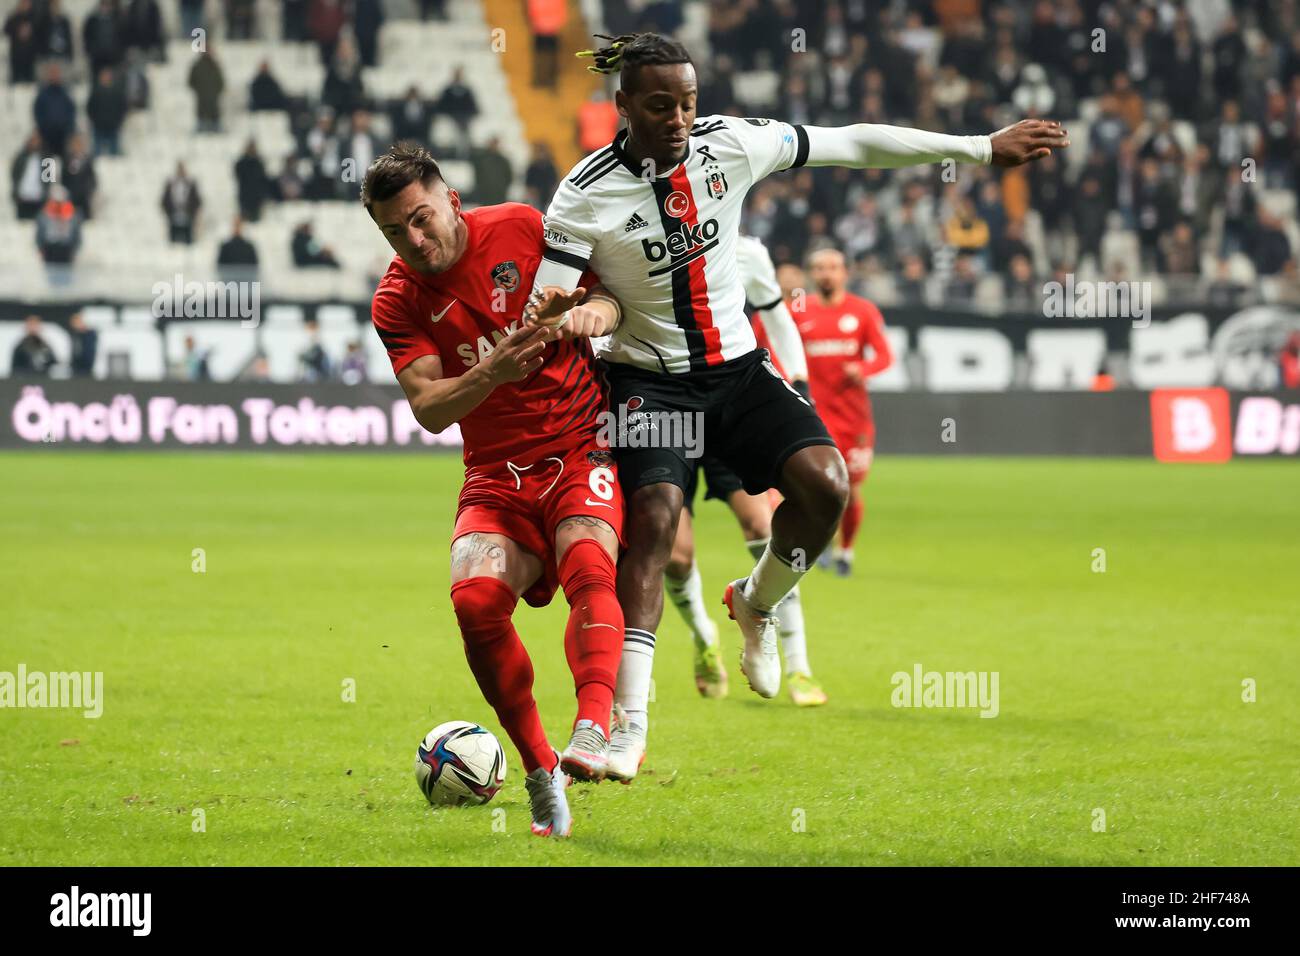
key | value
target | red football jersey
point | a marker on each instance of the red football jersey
(451, 315)
(835, 338)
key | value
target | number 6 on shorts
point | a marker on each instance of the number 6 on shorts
(601, 482)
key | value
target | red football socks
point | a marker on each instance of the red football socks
(501, 664)
(852, 519)
(593, 640)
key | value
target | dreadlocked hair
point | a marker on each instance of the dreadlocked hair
(631, 50)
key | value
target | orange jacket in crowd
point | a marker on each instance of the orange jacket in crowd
(597, 124)
(547, 17)
(1291, 362)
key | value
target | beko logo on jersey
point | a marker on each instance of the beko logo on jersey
(682, 246)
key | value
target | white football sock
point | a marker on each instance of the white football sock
(632, 690)
(771, 580)
(687, 596)
(794, 645)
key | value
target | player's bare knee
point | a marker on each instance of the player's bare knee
(654, 511)
(583, 527)
(679, 565)
(837, 485)
(681, 558)
(820, 485)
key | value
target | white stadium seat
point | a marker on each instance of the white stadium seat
(99, 316)
(141, 347)
(230, 347)
(283, 346)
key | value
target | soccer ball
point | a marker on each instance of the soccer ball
(459, 763)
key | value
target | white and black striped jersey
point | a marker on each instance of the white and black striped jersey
(666, 245)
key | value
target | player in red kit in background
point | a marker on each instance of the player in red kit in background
(541, 505)
(837, 328)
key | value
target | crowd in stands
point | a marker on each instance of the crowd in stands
(53, 172)
(1186, 127)
(1194, 110)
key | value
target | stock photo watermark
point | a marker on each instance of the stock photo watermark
(181, 299)
(1085, 299)
(75, 908)
(946, 690)
(55, 690)
(630, 427)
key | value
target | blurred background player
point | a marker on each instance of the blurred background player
(838, 328)
(541, 506)
(753, 513)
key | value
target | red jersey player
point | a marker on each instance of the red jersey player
(837, 328)
(541, 505)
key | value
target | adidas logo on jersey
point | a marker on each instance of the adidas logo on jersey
(636, 222)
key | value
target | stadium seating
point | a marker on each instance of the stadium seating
(125, 248)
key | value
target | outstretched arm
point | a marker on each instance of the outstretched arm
(783, 333)
(870, 145)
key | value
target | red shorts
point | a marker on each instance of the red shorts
(526, 500)
(857, 444)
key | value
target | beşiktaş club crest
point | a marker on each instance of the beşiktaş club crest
(505, 275)
(715, 180)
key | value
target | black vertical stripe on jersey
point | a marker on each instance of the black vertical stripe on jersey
(683, 310)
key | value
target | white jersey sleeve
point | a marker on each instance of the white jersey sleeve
(570, 233)
(757, 273)
(874, 146)
(763, 291)
(770, 145)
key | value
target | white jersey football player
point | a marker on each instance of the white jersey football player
(753, 513)
(656, 215)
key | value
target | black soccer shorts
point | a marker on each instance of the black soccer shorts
(742, 413)
(720, 482)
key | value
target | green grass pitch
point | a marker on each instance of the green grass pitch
(1120, 691)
